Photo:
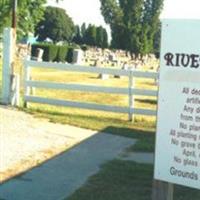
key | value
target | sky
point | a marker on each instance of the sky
(89, 10)
(82, 10)
(181, 9)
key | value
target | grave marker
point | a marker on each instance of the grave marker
(77, 56)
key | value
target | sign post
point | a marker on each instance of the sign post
(178, 127)
(162, 190)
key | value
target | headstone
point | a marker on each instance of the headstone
(38, 55)
(112, 57)
(103, 76)
(125, 66)
(117, 76)
(77, 56)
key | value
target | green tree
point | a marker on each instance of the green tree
(105, 39)
(56, 25)
(77, 37)
(99, 36)
(157, 39)
(113, 15)
(151, 23)
(90, 35)
(5, 8)
(93, 35)
(133, 23)
(29, 13)
(83, 30)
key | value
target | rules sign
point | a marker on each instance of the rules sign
(178, 125)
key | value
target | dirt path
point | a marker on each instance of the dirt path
(26, 141)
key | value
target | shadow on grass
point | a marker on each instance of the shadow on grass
(125, 180)
(117, 180)
(145, 139)
(149, 101)
(136, 130)
(92, 122)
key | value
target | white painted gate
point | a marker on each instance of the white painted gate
(129, 90)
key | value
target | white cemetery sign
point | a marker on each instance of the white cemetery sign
(178, 127)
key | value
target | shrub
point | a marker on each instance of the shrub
(75, 46)
(84, 47)
(70, 54)
(53, 52)
(50, 51)
(62, 54)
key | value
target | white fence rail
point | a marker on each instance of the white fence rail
(130, 90)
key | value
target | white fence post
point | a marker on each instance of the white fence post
(131, 101)
(8, 58)
(27, 89)
(15, 90)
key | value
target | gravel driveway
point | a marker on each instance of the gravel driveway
(26, 141)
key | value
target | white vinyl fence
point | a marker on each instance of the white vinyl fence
(130, 90)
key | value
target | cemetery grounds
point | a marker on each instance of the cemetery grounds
(117, 179)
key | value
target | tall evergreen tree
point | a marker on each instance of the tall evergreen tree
(133, 23)
(157, 38)
(94, 36)
(99, 36)
(90, 35)
(77, 37)
(105, 39)
(83, 30)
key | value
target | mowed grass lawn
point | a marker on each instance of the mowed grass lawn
(125, 180)
(92, 79)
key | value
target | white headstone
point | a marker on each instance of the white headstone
(77, 56)
(40, 53)
(104, 76)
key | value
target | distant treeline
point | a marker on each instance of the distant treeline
(91, 35)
